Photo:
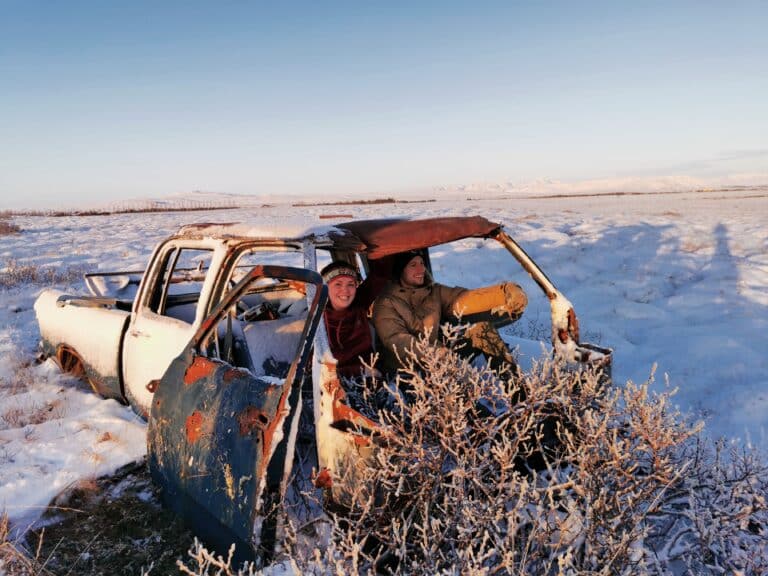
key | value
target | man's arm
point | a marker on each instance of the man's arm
(502, 299)
(448, 296)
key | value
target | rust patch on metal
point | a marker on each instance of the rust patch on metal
(200, 368)
(251, 420)
(270, 428)
(573, 324)
(298, 286)
(343, 412)
(333, 386)
(324, 479)
(361, 440)
(194, 426)
(340, 409)
(70, 362)
(572, 329)
(207, 323)
(332, 380)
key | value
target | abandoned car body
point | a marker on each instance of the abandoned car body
(212, 344)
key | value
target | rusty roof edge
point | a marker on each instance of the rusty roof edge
(386, 236)
(377, 237)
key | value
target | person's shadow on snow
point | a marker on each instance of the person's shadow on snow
(663, 294)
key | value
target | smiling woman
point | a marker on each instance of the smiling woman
(342, 284)
(346, 319)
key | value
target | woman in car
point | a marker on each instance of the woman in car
(346, 320)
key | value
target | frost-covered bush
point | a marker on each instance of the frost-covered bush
(7, 227)
(202, 562)
(545, 473)
(15, 273)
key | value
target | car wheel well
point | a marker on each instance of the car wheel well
(70, 362)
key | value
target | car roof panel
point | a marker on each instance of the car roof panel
(385, 237)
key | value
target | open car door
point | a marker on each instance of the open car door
(224, 417)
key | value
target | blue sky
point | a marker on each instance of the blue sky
(101, 101)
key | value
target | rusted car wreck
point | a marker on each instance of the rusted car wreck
(214, 342)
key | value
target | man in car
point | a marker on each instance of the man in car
(413, 306)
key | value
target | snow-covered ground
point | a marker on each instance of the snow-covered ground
(675, 280)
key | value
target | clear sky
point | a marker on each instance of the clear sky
(102, 100)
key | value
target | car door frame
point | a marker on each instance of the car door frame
(221, 440)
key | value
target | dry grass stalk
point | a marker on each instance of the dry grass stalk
(204, 562)
(7, 228)
(16, 274)
(13, 559)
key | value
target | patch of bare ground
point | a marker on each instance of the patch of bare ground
(16, 273)
(363, 202)
(109, 526)
(151, 208)
(7, 227)
(13, 559)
